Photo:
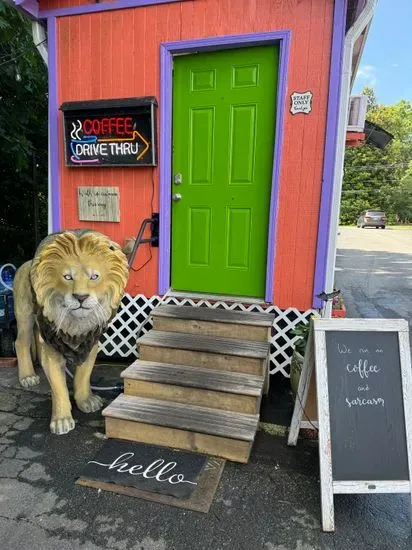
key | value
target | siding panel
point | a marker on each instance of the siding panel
(117, 54)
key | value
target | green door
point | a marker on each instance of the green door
(223, 135)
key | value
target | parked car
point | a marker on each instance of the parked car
(372, 218)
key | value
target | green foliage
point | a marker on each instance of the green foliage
(402, 198)
(378, 179)
(372, 103)
(302, 331)
(23, 136)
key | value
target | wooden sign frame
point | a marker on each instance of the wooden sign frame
(303, 390)
(98, 203)
(316, 353)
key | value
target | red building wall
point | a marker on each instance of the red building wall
(115, 54)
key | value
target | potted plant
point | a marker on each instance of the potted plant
(302, 331)
(338, 307)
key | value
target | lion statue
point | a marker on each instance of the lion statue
(64, 298)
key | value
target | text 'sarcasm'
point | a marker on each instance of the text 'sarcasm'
(365, 402)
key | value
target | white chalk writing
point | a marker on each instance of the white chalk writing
(362, 368)
(342, 348)
(365, 402)
(158, 468)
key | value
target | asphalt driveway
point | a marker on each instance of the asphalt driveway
(272, 503)
(374, 272)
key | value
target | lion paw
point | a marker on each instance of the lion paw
(61, 426)
(91, 404)
(28, 381)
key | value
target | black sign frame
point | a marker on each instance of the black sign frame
(110, 133)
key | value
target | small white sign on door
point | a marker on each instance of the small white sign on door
(301, 102)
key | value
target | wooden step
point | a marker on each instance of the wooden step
(200, 429)
(204, 351)
(193, 385)
(224, 323)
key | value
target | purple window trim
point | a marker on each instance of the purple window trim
(338, 37)
(210, 44)
(54, 174)
(102, 6)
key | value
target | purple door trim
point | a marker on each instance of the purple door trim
(102, 6)
(166, 59)
(338, 37)
(54, 174)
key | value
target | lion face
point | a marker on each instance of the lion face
(79, 280)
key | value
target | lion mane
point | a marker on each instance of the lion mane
(74, 338)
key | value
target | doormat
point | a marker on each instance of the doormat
(159, 474)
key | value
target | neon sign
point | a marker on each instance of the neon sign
(110, 133)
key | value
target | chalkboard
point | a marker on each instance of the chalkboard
(364, 402)
(364, 399)
(146, 467)
(367, 419)
(115, 132)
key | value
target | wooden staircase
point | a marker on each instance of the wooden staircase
(198, 382)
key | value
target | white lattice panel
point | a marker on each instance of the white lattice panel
(133, 319)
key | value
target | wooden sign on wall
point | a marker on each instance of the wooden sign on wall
(98, 204)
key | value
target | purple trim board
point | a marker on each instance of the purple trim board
(102, 6)
(54, 175)
(210, 44)
(30, 7)
(335, 78)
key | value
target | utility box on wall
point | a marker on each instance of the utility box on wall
(115, 132)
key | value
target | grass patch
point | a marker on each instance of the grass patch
(403, 226)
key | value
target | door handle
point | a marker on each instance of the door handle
(176, 197)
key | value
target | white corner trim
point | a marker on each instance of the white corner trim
(352, 35)
(40, 40)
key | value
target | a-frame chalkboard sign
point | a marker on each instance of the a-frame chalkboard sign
(364, 400)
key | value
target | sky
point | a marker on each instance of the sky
(386, 63)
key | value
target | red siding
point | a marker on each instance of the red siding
(116, 54)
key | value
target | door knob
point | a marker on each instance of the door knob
(176, 197)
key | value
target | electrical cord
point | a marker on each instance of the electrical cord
(305, 413)
(117, 387)
(150, 248)
(20, 54)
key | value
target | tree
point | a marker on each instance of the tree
(370, 93)
(374, 178)
(23, 137)
(403, 198)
